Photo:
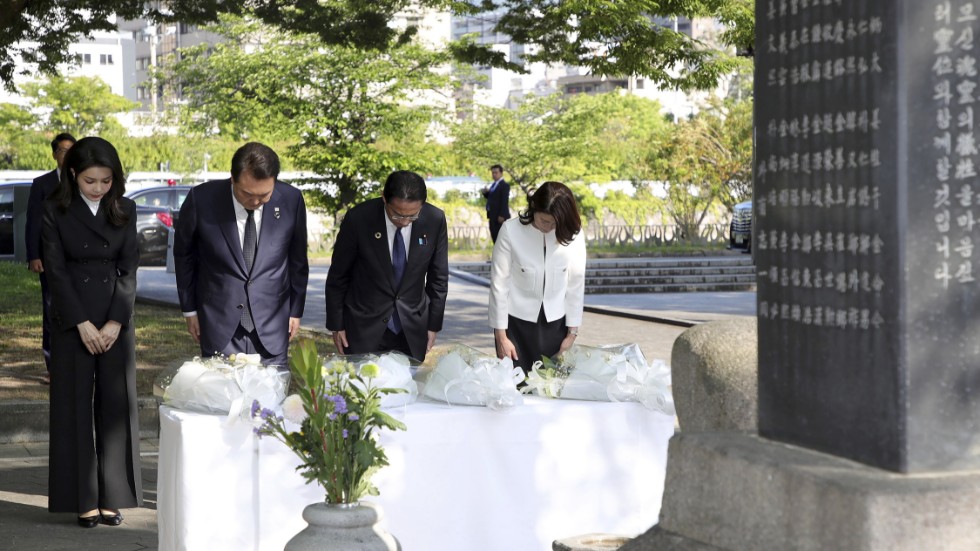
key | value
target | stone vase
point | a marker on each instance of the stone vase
(343, 526)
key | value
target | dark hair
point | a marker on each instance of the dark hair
(85, 154)
(63, 137)
(556, 199)
(258, 159)
(497, 167)
(405, 185)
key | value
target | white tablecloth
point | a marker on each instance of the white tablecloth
(461, 478)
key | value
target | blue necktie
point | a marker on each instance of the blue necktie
(248, 251)
(398, 267)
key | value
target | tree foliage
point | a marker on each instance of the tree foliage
(333, 103)
(610, 37)
(40, 31)
(78, 105)
(543, 139)
(617, 38)
(706, 161)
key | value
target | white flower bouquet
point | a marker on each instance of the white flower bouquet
(615, 373)
(459, 374)
(222, 385)
(394, 370)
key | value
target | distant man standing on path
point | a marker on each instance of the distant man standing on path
(498, 197)
(41, 189)
(389, 275)
(240, 257)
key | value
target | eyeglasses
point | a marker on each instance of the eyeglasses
(395, 217)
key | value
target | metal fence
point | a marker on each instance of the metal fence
(611, 235)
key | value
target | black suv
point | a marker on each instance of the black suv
(740, 231)
(156, 212)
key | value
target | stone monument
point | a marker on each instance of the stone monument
(866, 182)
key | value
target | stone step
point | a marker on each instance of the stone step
(669, 278)
(670, 288)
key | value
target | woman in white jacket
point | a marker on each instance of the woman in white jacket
(538, 278)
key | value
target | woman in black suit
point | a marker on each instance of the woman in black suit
(91, 256)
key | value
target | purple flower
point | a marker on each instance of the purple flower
(267, 413)
(345, 433)
(255, 407)
(353, 417)
(339, 404)
(332, 416)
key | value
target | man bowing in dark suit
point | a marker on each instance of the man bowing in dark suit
(498, 197)
(240, 257)
(42, 188)
(388, 279)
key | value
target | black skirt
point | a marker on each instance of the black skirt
(534, 339)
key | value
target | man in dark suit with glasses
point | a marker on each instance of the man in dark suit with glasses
(389, 275)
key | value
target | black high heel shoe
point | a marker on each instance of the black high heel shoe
(112, 520)
(89, 522)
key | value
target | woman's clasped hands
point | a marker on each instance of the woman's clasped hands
(99, 341)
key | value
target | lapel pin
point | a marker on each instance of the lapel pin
(377, 235)
(424, 239)
(275, 213)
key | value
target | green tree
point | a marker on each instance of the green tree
(333, 103)
(705, 162)
(18, 140)
(78, 105)
(610, 37)
(544, 139)
(617, 38)
(40, 31)
(624, 127)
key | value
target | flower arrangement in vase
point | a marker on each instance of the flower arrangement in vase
(337, 410)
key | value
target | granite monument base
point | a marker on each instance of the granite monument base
(737, 491)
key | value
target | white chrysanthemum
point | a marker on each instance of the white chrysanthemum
(292, 409)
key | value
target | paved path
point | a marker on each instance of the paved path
(26, 524)
(466, 311)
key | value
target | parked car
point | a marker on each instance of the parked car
(7, 216)
(156, 211)
(740, 230)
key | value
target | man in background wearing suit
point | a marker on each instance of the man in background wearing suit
(388, 279)
(240, 257)
(41, 189)
(498, 196)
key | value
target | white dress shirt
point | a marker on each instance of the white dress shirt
(241, 217)
(92, 205)
(406, 235)
(530, 270)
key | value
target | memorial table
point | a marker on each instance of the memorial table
(460, 477)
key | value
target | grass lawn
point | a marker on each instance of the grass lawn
(161, 338)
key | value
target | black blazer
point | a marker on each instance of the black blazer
(42, 188)
(210, 267)
(360, 291)
(497, 202)
(90, 265)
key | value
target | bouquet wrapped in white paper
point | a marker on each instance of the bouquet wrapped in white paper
(459, 374)
(222, 385)
(615, 373)
(395, 370)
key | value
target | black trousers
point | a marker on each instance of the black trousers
(389, 342)
(94, 457)
(248, 342)
(534, 339)
(45, 322)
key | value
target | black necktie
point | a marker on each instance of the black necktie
(248, 251)
(398, 267)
